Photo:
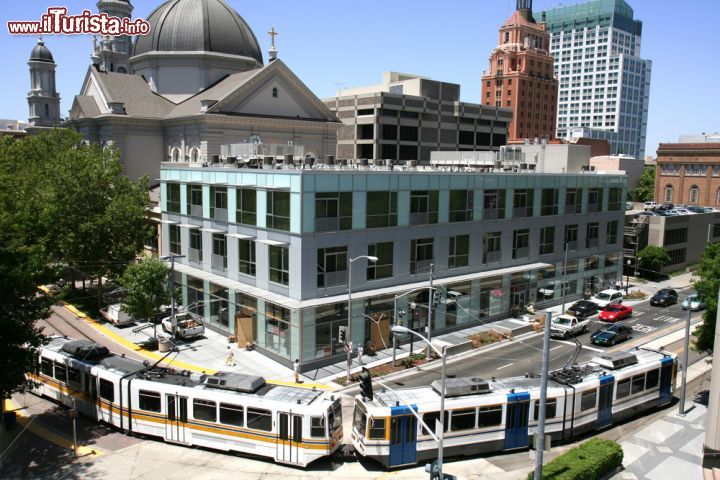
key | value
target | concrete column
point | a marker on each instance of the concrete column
(711, 448)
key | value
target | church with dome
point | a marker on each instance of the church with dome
(196, 82)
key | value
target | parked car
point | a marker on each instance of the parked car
(607, 297)
(696, 209)
(683, 211)
(629, 205)
(711, 209)
(565, 326)
(664, 298)
(671, 213)
(650, 205)
(649, 213)
(548, 291)
(693, 302)
(116, 315)
(583, 309)
(611, 335)
(187, 325)
(614, 313)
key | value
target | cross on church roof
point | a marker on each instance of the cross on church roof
(272, 34)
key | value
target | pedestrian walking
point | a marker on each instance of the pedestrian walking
(296, 370)
(360, 354)
(229, 357)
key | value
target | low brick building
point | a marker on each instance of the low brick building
(688, 173)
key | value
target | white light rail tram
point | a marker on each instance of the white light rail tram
(501, 414)
(223, 411)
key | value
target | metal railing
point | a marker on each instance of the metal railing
(334, 279)
(195, 255)
(522, 252)
(420, 266)
(220, 214)
(329, 224)
(419, 218)
(219, 262)
(491, 214)
(196, 211)
(492, 257)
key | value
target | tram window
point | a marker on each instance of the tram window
(588, 400)
(653, 376)
(623, 388)
(317, 427)
(430, 419)
(61, 372)
(489, 416)
(360, 421)
(107, 390)
(74, 377)
(638, 384)
(46, 367)
(550, 408)
(232, 414)
(462, 419)
(377, 429)
(204, 410)
(259, 419)
(149, 401)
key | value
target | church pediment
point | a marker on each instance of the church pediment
(274, 92)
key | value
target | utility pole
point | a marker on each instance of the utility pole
(431, 302)
(564, 280)
(173, 319)
(681, 407)
(540, 435)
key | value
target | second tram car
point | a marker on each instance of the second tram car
(501, 414)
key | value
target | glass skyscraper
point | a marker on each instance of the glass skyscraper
(604, 84)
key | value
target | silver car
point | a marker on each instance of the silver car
(693, 302)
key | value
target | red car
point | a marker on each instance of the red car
(613, 313)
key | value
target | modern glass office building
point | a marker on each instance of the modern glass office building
(267, 251)
(604, 84)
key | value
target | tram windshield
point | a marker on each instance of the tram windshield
(360, 420)
(335, 417)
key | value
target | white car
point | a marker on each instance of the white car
(649, 205)
(607, 297)
(683, 211)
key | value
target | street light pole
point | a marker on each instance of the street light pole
(348, 339)
(411, 321)
(173, 319)
(431, 298)
(627, 278)
(681, 407)
(540, 435)
(443, 374)
(394, 339)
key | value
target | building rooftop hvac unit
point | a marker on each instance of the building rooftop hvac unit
(458, 387)
(235, 382)
(616, 360)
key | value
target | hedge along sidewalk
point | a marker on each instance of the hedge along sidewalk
(589, 461)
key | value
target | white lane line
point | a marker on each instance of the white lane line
(505, 366)
(585, 347)
(555, 348)
(637, 314)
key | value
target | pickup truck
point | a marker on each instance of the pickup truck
(565, 326)
(187, 326)
(116, 315)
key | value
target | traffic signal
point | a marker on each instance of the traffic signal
(341, 333)
(366, 384)
(437, 298)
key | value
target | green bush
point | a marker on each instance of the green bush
(589, 461)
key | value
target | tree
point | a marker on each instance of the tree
(86, 213)
(651, 260)
(145, 288)
(645, 189)
(707, 284)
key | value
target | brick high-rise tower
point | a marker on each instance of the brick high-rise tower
(521, 76)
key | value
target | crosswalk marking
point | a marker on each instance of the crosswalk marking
(585, 347)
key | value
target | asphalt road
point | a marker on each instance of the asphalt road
(520, 357)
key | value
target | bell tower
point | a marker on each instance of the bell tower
(43, 99)
(112, 53)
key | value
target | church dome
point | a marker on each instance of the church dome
(198, 26)
(41, 53)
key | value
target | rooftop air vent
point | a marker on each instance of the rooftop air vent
(85, 349)
(616, 360)
(458, 387)
(236, 382)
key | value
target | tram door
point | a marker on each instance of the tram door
(666, 380)
(289, 437)
(516, 420)
(176, 419)
(607, 383)
(403, 437)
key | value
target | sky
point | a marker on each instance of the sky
(333, 45)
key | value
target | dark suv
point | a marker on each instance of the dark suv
(584, 309)
(664, 297)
